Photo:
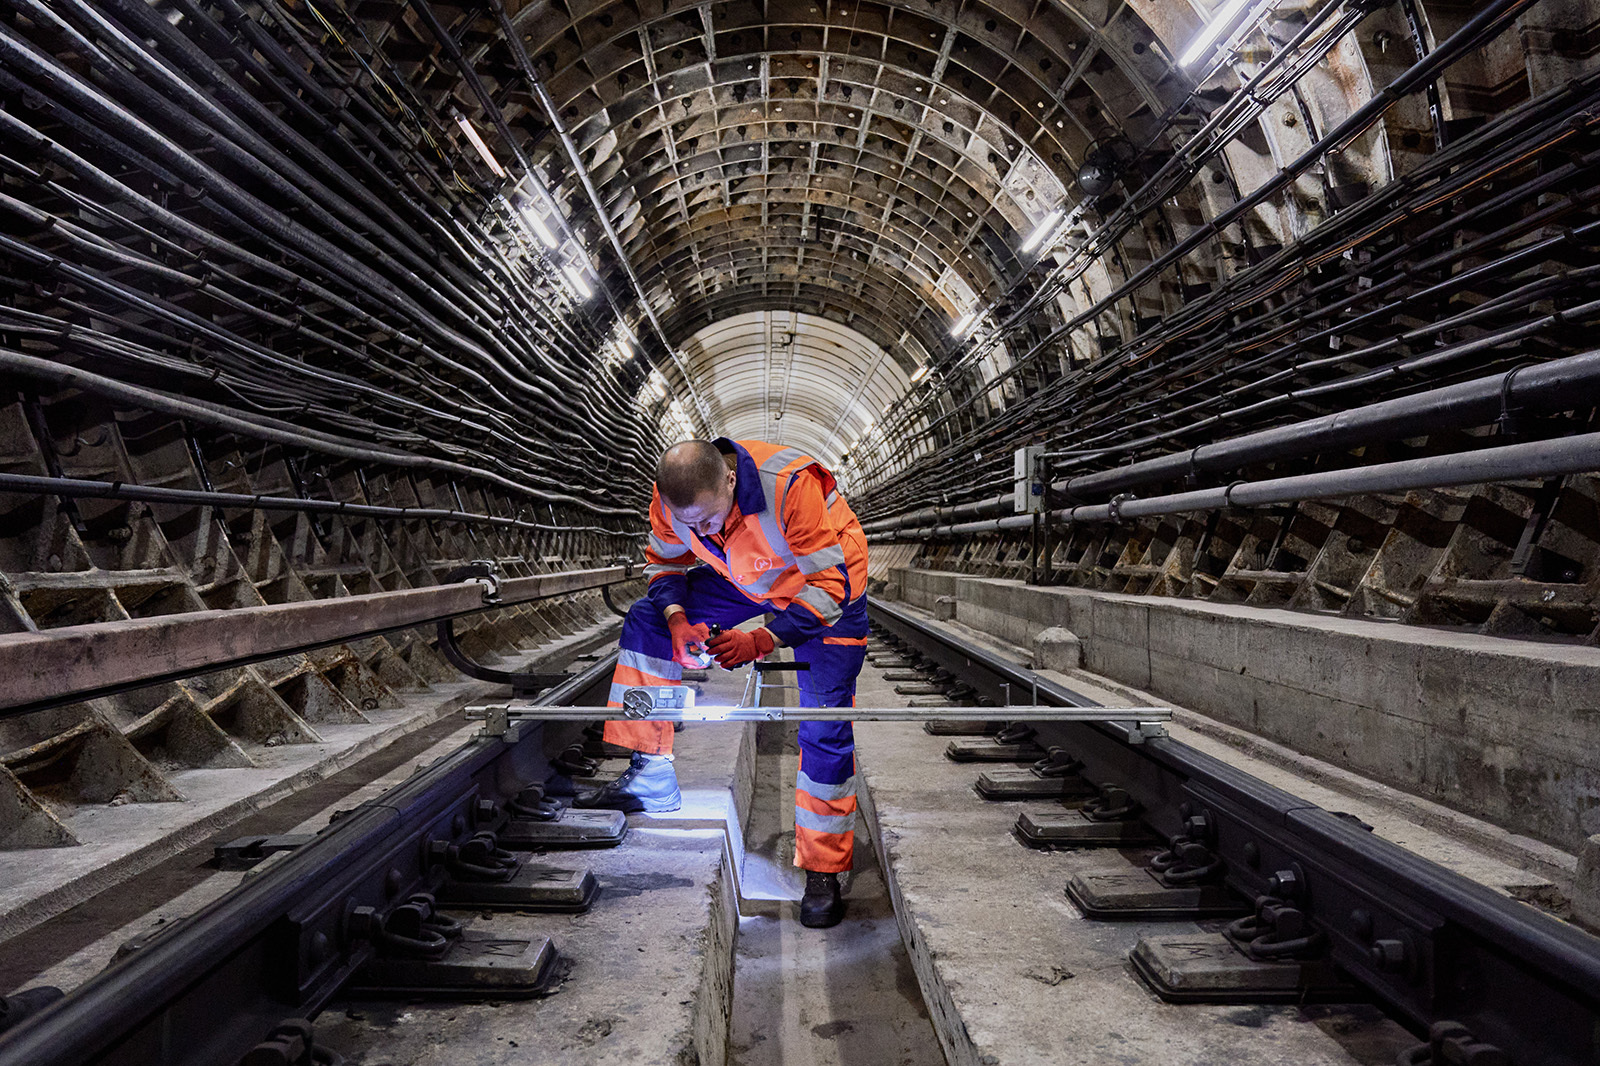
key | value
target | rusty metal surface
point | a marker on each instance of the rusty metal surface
(77, 662)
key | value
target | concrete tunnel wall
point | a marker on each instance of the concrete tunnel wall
(1503, 729)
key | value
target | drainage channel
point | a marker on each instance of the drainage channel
(816, 997)
(1179, 910)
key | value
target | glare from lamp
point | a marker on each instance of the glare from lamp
(1043, 230)
(546, 238)
(575, 276)
(1214, 29)
(483, 149)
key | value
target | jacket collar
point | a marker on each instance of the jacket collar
(747, 491)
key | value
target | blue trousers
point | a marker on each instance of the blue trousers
(825, 795)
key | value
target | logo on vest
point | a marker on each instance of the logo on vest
(762, 563)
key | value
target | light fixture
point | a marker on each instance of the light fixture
(1043, 230)
(1213, 29)
(575, 276)
(483, 149)
(624, 347)
(546, 238)
(963, 324)
(922, 372)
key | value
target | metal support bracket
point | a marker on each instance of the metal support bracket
(486, 573)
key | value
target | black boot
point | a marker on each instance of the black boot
(822, 905)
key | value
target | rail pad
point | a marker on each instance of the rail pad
(985, 750)
(479, 966)
(1206, 968)
(1026, 784)
(535, 888)
(1131, 893)
(574, 829)
(1072, 829)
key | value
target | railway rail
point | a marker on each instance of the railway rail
(1480, 978)
(240, 976)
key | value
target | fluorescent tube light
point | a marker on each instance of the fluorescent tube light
(546, 238)
(1222, 21)
(483, 149)
(1043, 230)
(575, 276)
(922, 372)
(963, 324)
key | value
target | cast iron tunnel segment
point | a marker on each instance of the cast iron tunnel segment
(1465, 968)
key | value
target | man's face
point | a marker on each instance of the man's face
(709, 511)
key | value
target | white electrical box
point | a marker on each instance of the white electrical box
(1028, 491)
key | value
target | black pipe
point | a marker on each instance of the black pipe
(79, 488)
(1490, 18)
(1512, 462)
(1559, 385)
(1546, 215)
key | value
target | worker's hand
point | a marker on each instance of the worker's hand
(685, 636)
(735, 647)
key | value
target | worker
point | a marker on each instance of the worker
(739, 529)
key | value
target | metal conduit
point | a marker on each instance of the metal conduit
(285, 178)
(1512, 462)
(1478, 23)
(1559, 385)
(78, 488)
(1485, 22)
(1519, 256)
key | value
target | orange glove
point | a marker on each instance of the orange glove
(684, 635)
(735, 647)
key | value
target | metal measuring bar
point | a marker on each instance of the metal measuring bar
(676, 703)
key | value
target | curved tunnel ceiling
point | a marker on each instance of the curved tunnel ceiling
(883, 166)
(879, 165)
(794, 378)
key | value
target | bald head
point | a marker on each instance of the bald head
(696, 485)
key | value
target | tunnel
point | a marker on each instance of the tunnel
(1194, 399)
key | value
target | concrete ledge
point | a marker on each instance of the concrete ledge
(1013, 974)
(120, 842)
(1506, 730)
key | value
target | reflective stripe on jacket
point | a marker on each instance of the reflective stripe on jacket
(791, 541)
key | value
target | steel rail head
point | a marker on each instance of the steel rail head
(1430, 943)
(281, 944)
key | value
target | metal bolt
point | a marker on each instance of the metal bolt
(1390, 956)
(362, 923)
(486, 811)
(1285, 884)
(1252, 854)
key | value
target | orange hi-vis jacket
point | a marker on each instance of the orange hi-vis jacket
(791, 541)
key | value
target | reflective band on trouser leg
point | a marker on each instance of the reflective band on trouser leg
(825, 788)
(825, 812)
(645, 659)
